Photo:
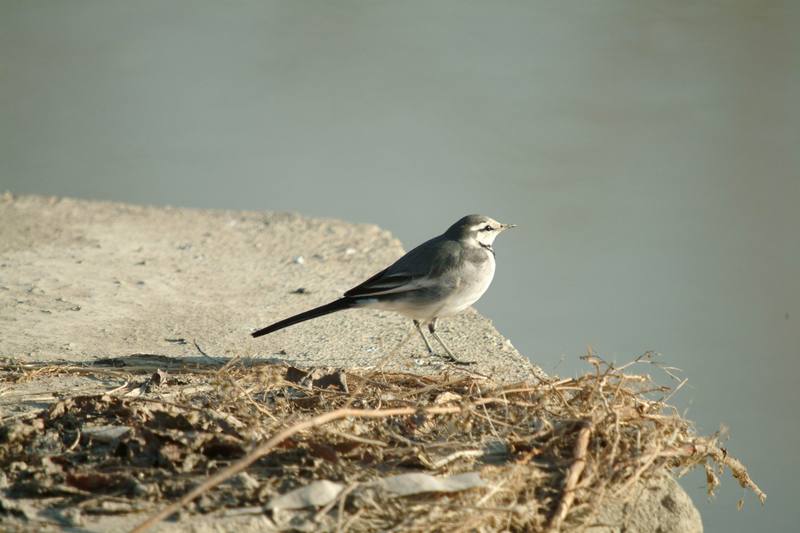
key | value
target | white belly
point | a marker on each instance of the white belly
(474, 282)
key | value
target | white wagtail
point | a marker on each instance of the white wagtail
(438, 278)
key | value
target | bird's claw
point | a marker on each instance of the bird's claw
(450, 359)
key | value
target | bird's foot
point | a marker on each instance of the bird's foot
(451, 359)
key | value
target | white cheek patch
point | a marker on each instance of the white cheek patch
(486, 237)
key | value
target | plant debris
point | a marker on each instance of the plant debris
(325, 449)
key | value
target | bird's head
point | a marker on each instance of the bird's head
(481, 228)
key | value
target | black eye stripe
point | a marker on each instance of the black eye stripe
(486, 228)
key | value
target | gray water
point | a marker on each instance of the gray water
(648, 151)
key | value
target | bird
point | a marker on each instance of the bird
(439, 278)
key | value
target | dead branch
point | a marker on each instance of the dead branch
(574, 474)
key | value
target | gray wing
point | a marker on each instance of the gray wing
(416, 270)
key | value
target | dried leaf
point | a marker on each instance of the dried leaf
(295, 375)
(317, 377)
(447, 397)
(106, 433)
(316, 494)
(159, 377)
(323, 451)
(336, 379)
(417, 483)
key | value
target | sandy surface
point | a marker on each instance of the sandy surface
(81, 280)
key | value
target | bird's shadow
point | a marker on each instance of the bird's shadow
(139, 363)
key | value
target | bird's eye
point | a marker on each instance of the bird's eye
(487, 228)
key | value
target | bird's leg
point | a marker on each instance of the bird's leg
(450, 357)
(427, 344)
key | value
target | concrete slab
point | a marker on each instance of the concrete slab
(83, 279)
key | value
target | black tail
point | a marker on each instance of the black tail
(338, 305)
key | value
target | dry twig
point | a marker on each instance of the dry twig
(574, 474)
